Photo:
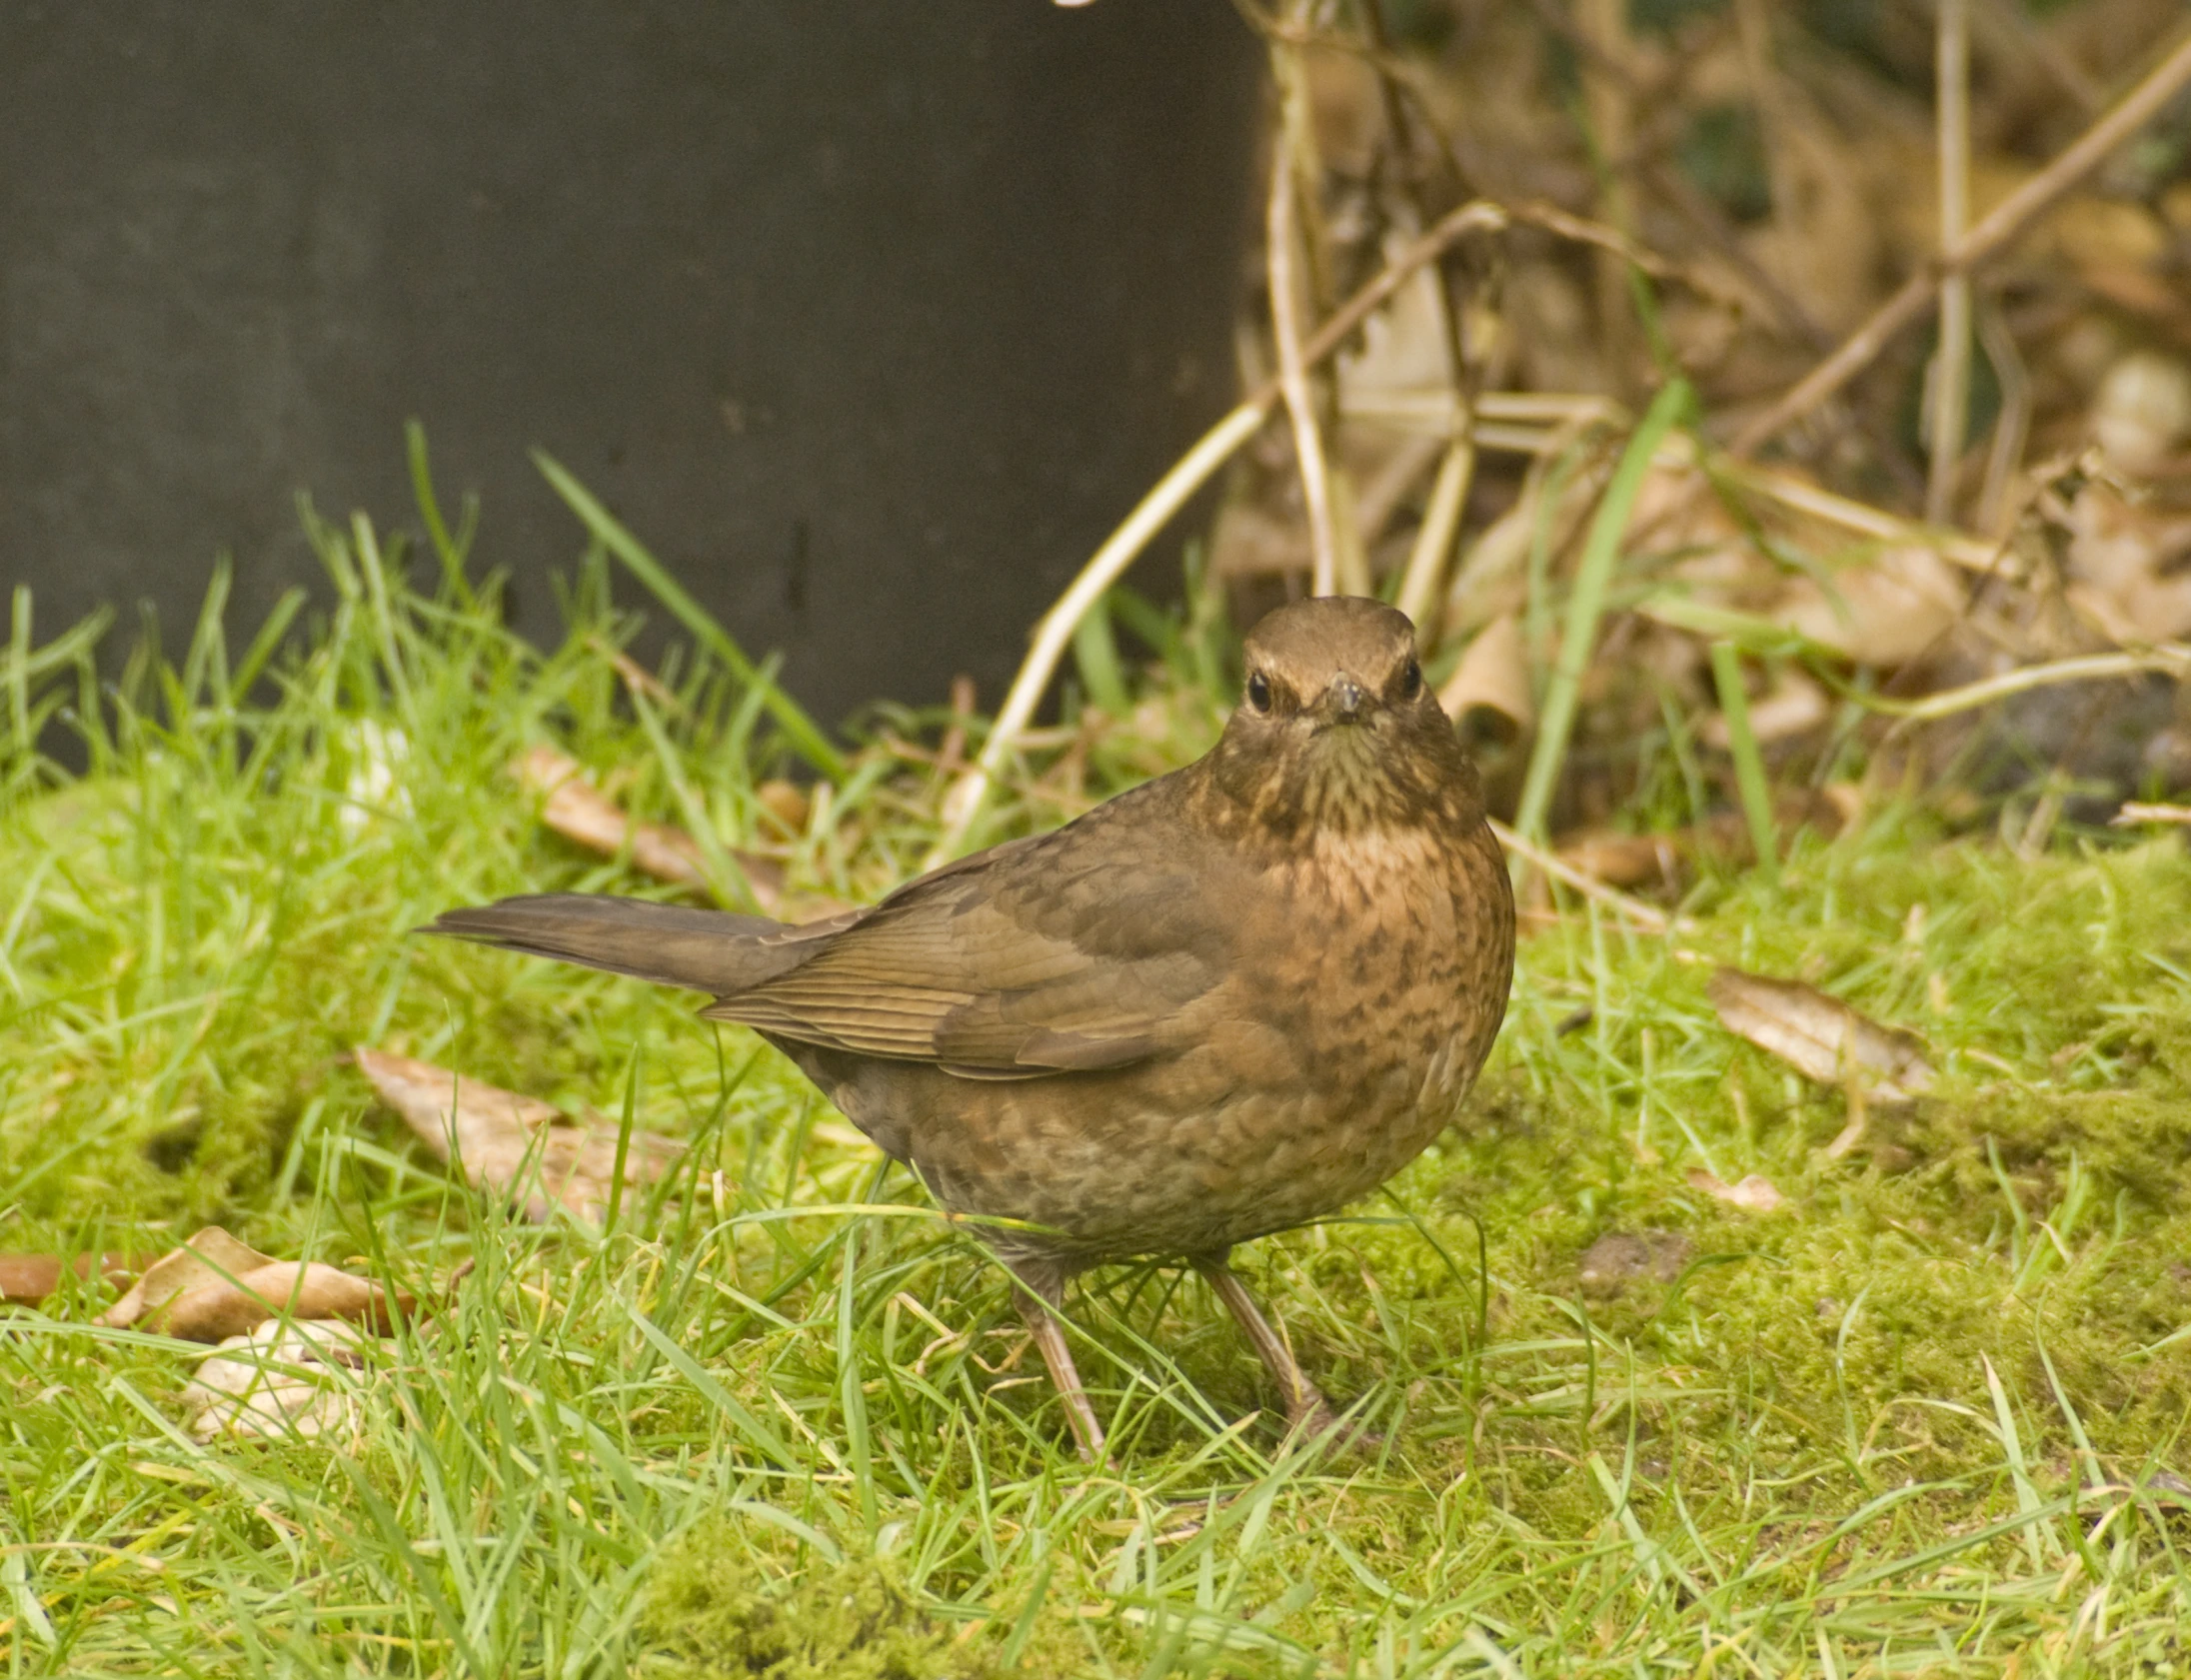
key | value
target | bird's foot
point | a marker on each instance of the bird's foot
(1038, 1310)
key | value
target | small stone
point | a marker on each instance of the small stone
(1619, 1259)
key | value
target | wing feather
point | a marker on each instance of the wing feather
(1076, 952)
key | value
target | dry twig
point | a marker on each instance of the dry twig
(1999, 228)
(1279, 237)
(1948, 412)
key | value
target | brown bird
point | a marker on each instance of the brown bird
(1224, 1003)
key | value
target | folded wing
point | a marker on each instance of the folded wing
(1060, 955)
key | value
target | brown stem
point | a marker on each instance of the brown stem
(1476, 216)
(1424, 582)
(2013, 429)
(1611, 104)
(1948, 412)
(1583, 231)
(1301, 407)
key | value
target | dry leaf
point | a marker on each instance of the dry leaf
(1493, 673)
(2135, 813)
(27, 1279)
(215, 1287)
(1820, 1036)
(1492, 576)
(1794, 706)
(585, 816)
(579, 812)
(1884, 612)
(212, 1256)
(1625, 859)
(1757, 1194)
(2142, 413)
(1262, 534)
(511, 1145)
(1621, 860)
(2122, 564)
(1825, 243)
(789, 802)
(1403, 346)
(299, 1289)
(1252, 542)
(281, 1381)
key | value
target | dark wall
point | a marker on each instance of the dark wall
(869, 315)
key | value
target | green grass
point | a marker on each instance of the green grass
(1929, 1417)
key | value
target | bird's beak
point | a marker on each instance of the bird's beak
(1345, 700)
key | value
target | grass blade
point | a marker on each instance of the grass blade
(1749, 763)
(1095, 652)
(799, 729)
(450, 551)
(758, 1434)
(850, 1394)
(1600, 551)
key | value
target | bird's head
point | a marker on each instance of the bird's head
(1335, 726)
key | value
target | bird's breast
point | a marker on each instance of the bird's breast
(1394, 959)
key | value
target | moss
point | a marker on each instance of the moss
(710, 1613)
(1765, 1406)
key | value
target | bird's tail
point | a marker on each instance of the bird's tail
(705, 951)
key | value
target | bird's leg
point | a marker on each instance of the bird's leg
(1041, 1291)
(1304, 1402)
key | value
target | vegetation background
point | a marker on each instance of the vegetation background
(1679, 1357)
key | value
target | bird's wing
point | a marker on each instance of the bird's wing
(1074, 952)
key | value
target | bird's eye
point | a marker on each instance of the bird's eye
(1259, 692)
(1410, 681)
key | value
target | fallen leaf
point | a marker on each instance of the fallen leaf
(1493, 674)
(1757, 1194)
(1404, 347)
(2164, 1481)
(789, 802)
(512, 1146)
(215, 1287)
(2142, 411)
(1252, 542)
(281, 1381)
(2135, 811)
(209, 1256)
(1621, 860)
(1884, 612)
(1625, 859)
(1492, 577)
(1820, 1036)
(27, 1279)
(585, 816)
(2124, 560)
(2138, 290)
(1794, 706)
